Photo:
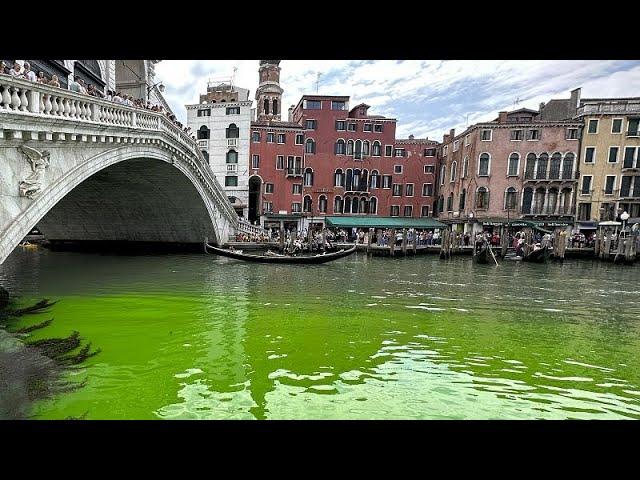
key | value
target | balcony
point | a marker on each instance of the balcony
(633, 133)
(232, 143)
(598, 108)
(203, 143)
(294, 172)
(232, 168)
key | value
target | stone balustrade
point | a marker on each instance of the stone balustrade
(604, 107)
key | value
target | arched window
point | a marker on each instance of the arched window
(306, 204)
(541, 171)
(538, 200)
(349, 147)
(376, 149)
(338, 178)
(567, 166)
(322, 203)
(374, 182)
(373, 205)
(275, 106)
(441, 204)
(205, 154)
(232, 156)
(463, 198)
(308, 177)
(363, 180)
(554, 170)
(347, 204)
(337, 204)
(484, 165)
(514, 164)
(203, 133)
(443, 172)
(365, 148)
(565, 201)
(356, 178)
(233, 131)
(527, 198)
(450, 202)
(340, 147)
(266, 106)
(310, 146)
(530, 166)
(482, 198)
(357, 154)
(465, 167)
(454, 167)
(364, 205)
(552, 201)
(510, 198)
(354, 205)
(348, 186)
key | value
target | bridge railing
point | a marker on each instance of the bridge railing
(23, 97)
(244, 226)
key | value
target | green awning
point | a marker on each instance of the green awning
(382, 222)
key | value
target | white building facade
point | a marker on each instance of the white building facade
(222, 125)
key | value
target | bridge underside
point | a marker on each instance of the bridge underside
(138, 200)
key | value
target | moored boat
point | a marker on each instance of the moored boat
(537, 256)
(283, 259)
(482, 254)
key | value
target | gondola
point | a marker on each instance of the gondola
(537, 256)
(483, 255)
(276, 258)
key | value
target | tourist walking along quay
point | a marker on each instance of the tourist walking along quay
(236, 253)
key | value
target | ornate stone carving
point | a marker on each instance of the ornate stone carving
(39, 161)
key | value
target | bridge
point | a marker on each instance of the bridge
(83, 168)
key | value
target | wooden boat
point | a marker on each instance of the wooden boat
(537, 256)
(483, 255)
(276, 258)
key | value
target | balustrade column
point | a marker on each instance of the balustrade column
(134, 119)
(95, 112)
(34, 101)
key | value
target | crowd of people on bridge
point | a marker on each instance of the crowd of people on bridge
(78, 85)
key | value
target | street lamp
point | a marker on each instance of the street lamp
(160, 86)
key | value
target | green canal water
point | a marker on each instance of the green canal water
(204, 337)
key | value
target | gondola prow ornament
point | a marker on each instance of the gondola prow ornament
(32, 185)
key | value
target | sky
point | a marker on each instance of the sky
(427, 97)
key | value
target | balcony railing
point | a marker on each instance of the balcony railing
(232, 143)
(203, 143)
(628, 108)
(633, 133)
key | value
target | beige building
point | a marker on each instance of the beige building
(609, 166)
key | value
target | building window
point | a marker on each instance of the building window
(280, 162)
(397, 169)
(299, 138)
(338, 105)
(349, 147)
(517, 135)
(450, 202)
(255, 161)
(395, 210)
(306, 204)
(386, 181)
(375, 179)
(554, 166)
(341, 125)
(399, 152)
(397, 190)
(541, 171)
(408, 191)
(463, 199)
(429, 168)
(267, 207)
(625, 186)
(514, 165)
(376, 149)
(465, 167)
(367, 127)
(270, 137)
(484, 164)
(388, 150)
(485, 135)
(445, 150)
(377, 127)
(255, 137)
(632, 127)
(572, 134)
(310, 124)
(482, 198)
(341, 147)
(533, 134)
(365, 148)
(452, 176)
(424, 211)
(593, 126)
(351, 127)
(232, 156)
(205, 154)
(466, 140)
(233, 110)
(282, 138)
(427, 189)
(567, 166)
(268, 188)
(609, 184)
(310, 146)
(456, 145)
(266, 106)
(616, 125)
(443, 173)
(586, 185)
(308, 177)
(322, 204)
(312, 104)
(510, 198)
(230, 181)
(429, 152)
(297, 189)
(203, 133)
(373, 205)
(590, 155)
(233, 131)
(357, 153)
(275, 106)
(337, 204)
(204, 112)
(613, 154)
(296, 207)
(338, 178)
(408, 210)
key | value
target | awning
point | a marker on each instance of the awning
(382, 222)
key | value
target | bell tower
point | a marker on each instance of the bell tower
(269, 92)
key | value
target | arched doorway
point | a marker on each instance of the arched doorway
(255, 187)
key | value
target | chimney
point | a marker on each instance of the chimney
(411, 137)
(291, 112)
(575, 97)
(452, 132)
(542, 104)
(502, 117)
(445, 138)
